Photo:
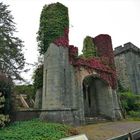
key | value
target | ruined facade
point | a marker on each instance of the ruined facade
(127, 60)
(78, 87)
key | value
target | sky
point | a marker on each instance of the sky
(118, 18)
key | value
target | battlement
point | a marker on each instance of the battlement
(126, 48)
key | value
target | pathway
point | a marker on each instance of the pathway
(107, 130)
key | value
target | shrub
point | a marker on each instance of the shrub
(35, 130)
(134, 114)
(3, 118)
(130, 101)
(5, 98)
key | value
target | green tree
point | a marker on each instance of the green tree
(11, 57)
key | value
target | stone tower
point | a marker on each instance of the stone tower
(74, 87)
(127, 60)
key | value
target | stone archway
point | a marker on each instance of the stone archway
(97, 96)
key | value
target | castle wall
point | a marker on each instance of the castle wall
(106, 98)
(127, 60)
(63, 90)
(60, 91)
(122, 72)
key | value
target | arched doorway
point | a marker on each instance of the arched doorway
(97, 97)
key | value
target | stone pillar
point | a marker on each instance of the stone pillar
(57, 97)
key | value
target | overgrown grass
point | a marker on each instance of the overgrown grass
(35, 130)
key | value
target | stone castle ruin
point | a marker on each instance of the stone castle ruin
(76, 87)
(127, 60)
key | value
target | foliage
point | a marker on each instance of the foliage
(105, 72)
(11, 56)
(97, 57)
(89, 48)
(130, 101)
(25, 89)
(35, 130)
(53, 24)
(38, 78)
(104, 49)
(134, 114)
(3, 118)
(5, 89)
(120, 87)
(73, 53)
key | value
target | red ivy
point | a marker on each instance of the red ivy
(104, 47)
(73, 53)
(104, 64)
(105, 72)
(63, 40)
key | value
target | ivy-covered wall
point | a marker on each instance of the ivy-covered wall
(97, 52)
(54, 24)
(98, 55)
(89, 48)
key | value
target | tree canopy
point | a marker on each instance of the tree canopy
(11, 56)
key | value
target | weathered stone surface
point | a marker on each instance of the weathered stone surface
(63, 93)
(38, 99)
(127, 60)
(102, 96)
(59, 88)
(122, 72)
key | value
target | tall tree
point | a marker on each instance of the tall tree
(11, 57)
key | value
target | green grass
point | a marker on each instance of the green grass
(34, 130)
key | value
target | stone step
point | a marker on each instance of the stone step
(95, 120)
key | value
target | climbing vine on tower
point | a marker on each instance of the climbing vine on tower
(54, 24)
(89, 48)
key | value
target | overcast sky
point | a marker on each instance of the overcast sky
(118, 18)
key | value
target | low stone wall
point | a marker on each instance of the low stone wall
(25, 115)
(59, 116)
(66, 116)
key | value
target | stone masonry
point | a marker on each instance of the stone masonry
(76, 87)
(127, 60)
(63, 95)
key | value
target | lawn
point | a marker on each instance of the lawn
(35, 130)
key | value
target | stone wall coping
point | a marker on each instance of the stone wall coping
(47, 110)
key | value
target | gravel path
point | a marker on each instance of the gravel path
(107, 130)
